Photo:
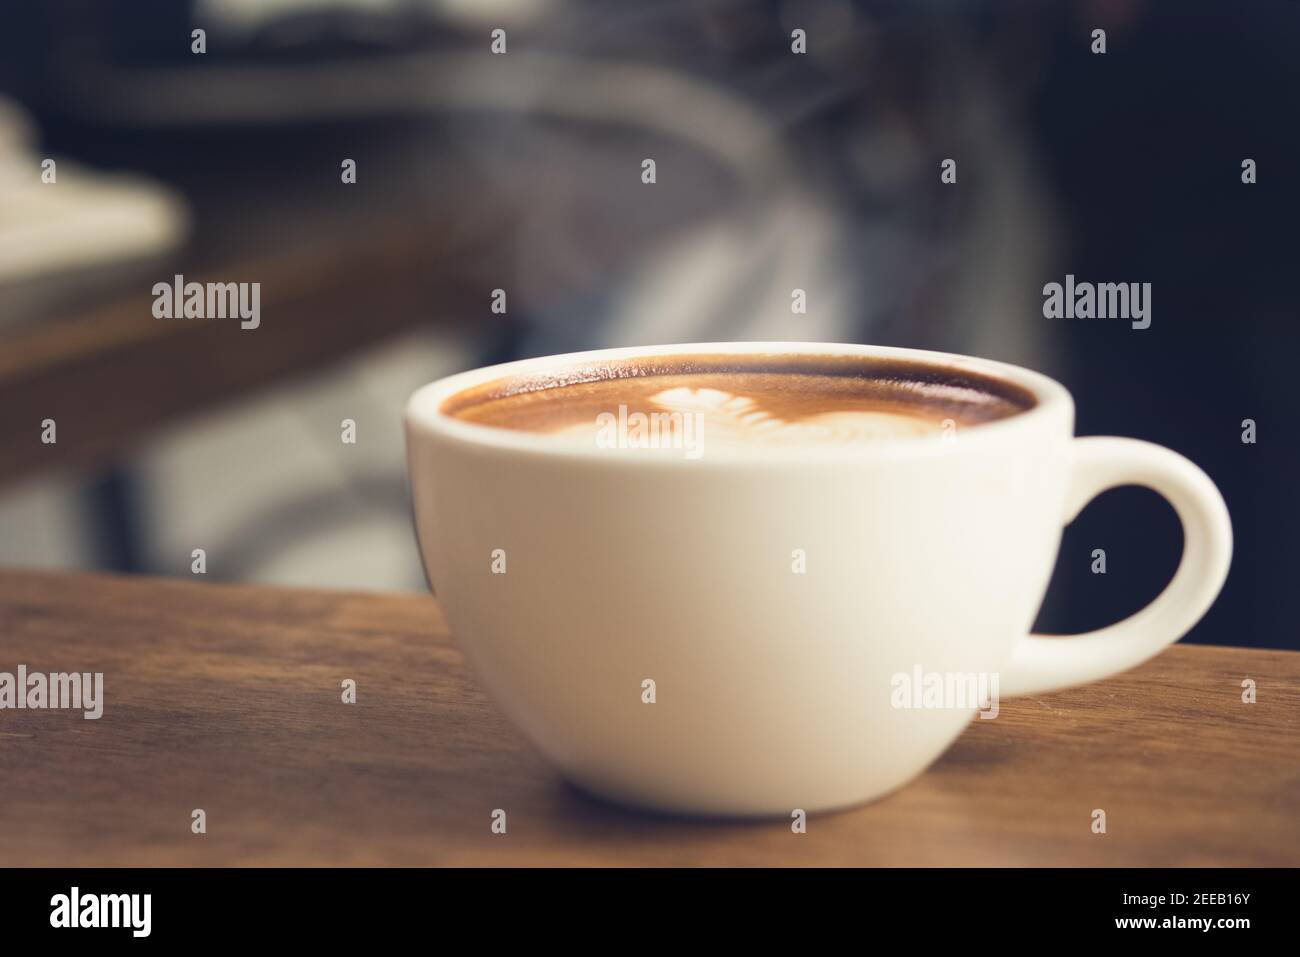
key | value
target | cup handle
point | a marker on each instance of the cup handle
(1042, 664)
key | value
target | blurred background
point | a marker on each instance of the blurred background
(477, 171)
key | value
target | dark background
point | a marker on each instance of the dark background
(1122, 167)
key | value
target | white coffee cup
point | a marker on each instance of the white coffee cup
(572, 576)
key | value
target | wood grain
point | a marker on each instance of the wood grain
(227, 698)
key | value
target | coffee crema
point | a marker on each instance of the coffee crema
(736, 400)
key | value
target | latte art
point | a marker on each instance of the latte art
(690, 418)
(742, 420)
(721, 403)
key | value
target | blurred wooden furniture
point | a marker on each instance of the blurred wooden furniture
(227, 698)
(111, 374)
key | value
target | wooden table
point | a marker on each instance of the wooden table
(227, 698)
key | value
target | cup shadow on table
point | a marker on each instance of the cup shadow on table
(591, 816)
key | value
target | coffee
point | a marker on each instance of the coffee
(745, 399)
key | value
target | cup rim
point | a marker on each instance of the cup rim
(424, 408)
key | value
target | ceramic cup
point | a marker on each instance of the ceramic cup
(642, 620)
